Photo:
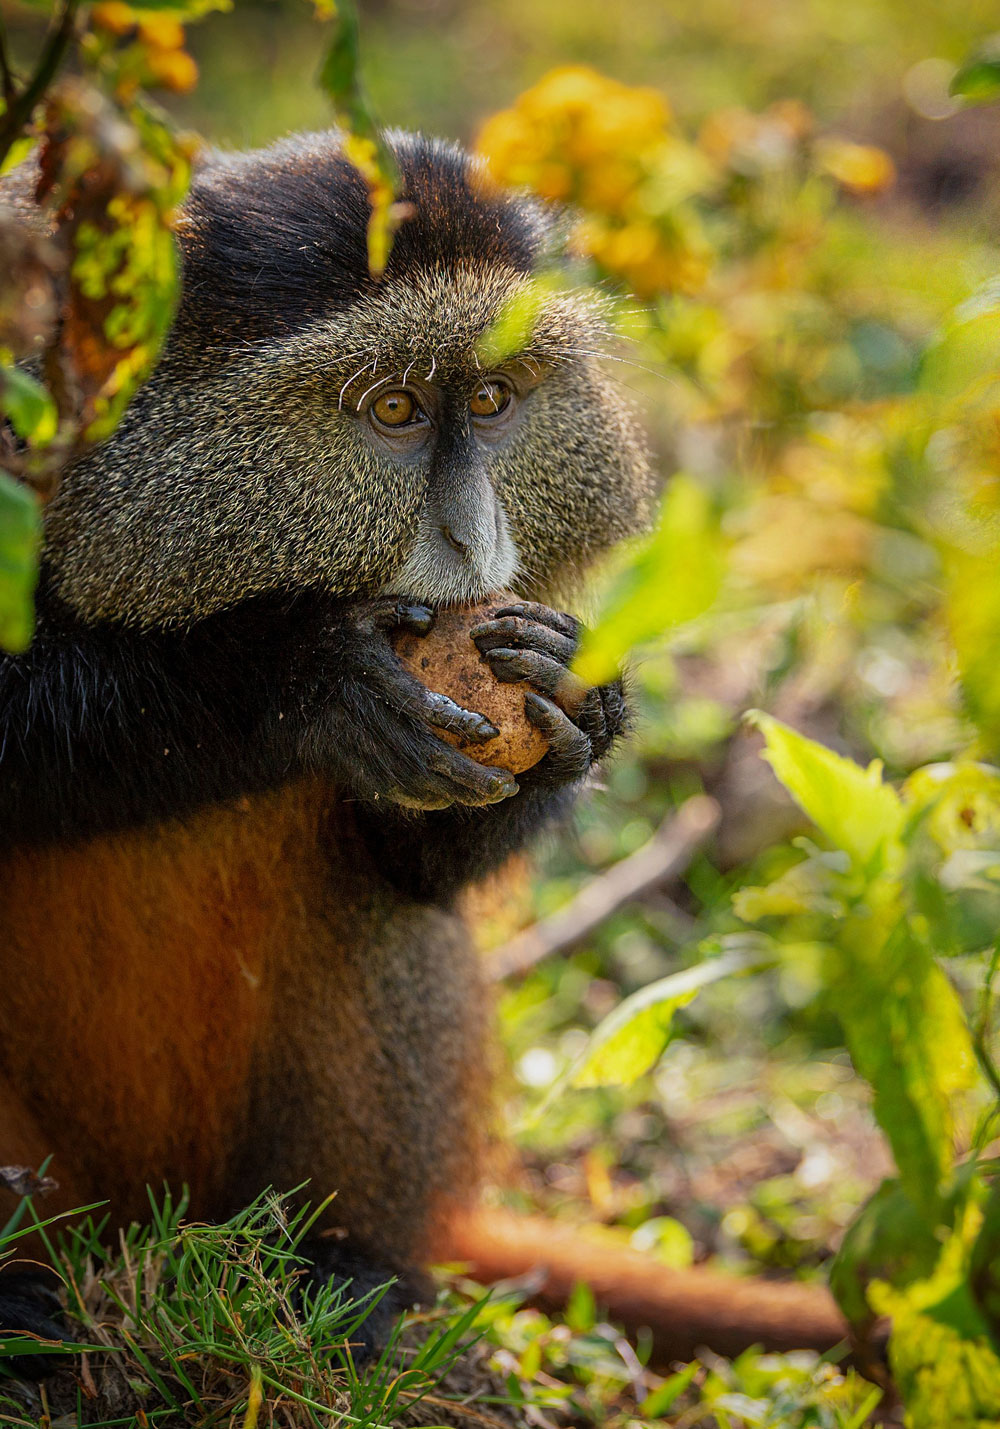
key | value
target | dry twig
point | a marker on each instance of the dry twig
(667, 855)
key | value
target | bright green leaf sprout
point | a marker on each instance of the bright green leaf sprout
(674, 578)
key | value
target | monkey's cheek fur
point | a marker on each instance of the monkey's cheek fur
(447, 661)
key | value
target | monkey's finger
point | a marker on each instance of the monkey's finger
(543, 615)
(396, 614)
(549, 676)
(466, 781)
(443, 713)
(603, 716)
(514, 632)
(434, 775)
(406, 694)
(570, 755)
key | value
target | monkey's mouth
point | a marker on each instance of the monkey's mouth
(438, 571)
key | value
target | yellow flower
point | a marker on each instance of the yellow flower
(609, 187)
(162, 32)
(579, 137)
(172, 69)
(861, 168)
(113, 16)
(583, 124)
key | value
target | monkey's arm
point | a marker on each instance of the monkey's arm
(104, 727)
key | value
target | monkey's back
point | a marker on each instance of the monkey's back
(238, 1000)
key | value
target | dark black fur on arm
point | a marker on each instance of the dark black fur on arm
(104, 728)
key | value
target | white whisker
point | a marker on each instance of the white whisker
(381, 382)
(610, 357)
(353, 378)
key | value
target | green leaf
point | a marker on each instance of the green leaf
(868, 1406)
(30, 409)
(581, 1309)
(984, 1268)
(940, 1353)
(907, 1035)
(14, 1346)
(185, 10)
(512, 329)
(340, 73)
(806, 887)
(620, 1054)
(676, 576)
(963, 358)
(889, 1240)
(902, 1020)
(978, 78)
(19, 150)
(631, 1039)
(948, 1380)
(20, 541)
(972, 609)
(852, 806)
(668, 1240)
(657, 1404)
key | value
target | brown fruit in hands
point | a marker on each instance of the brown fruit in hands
(446, 660)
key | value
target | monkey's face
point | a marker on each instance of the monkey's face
(311, 428)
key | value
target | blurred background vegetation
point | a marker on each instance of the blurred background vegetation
(823, 373)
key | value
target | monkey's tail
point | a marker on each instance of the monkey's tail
(685, 1310)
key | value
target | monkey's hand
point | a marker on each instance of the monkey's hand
(530, 642)
(371, 724)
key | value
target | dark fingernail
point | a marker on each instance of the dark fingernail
(537, 705)
(505, 671)
(502, 788)
(479, 733)
(417, 616)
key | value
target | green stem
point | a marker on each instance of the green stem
(20, 107)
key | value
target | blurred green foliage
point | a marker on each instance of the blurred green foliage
(854, 460)
(20, 535)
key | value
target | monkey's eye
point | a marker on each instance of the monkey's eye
(490, 398)
(395, 409)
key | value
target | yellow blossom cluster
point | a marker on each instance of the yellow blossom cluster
(158, 58)
(748, 143)
(611, 151)
(643, 192)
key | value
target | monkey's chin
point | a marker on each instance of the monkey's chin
(436, 577)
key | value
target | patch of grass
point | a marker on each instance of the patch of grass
(186, 1324)
(192, 1324)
